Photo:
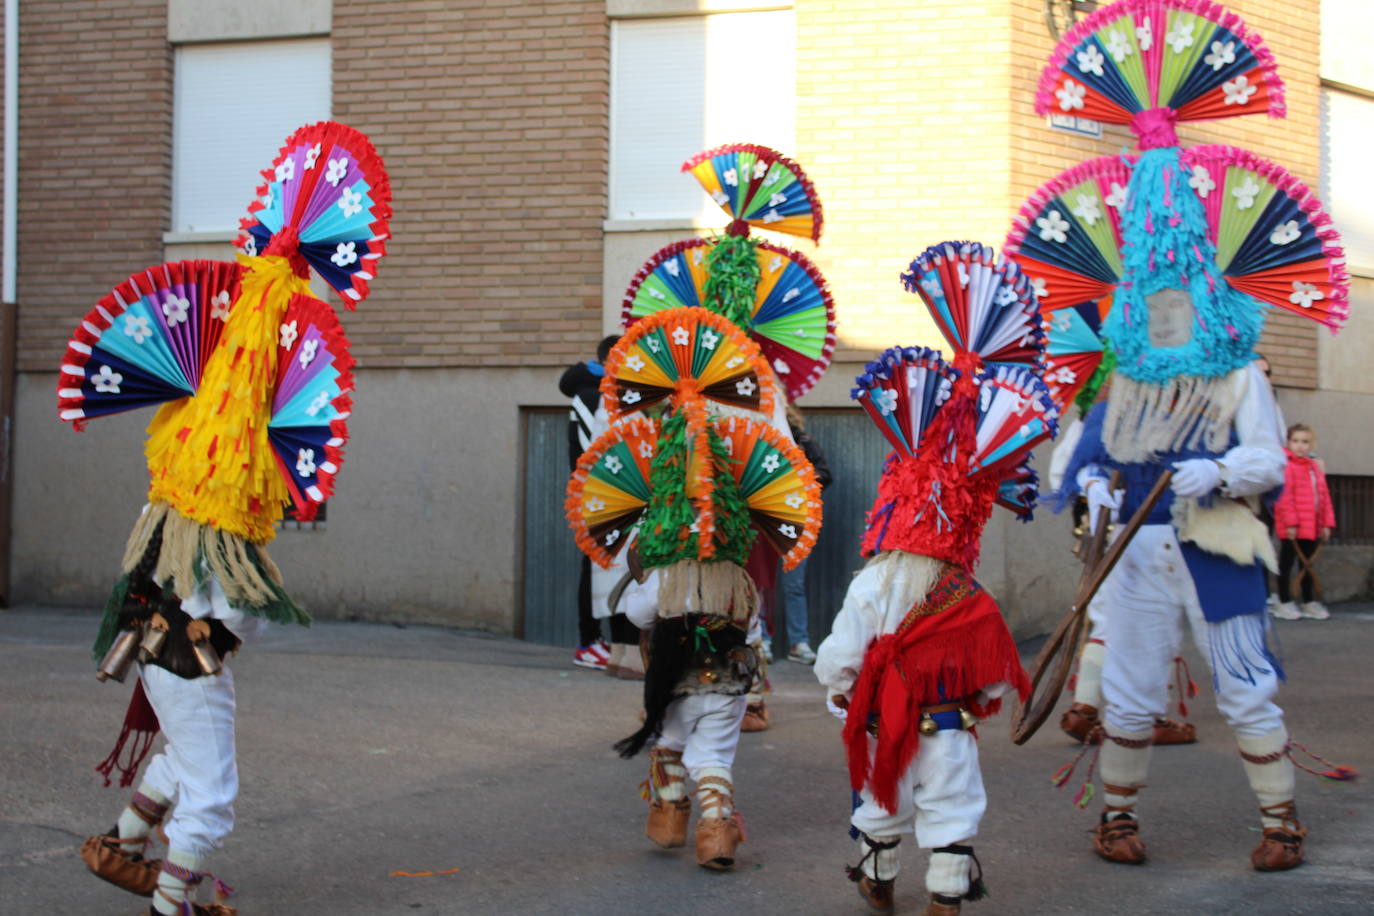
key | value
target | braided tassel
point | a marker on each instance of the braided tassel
(1065, 772)
(1336, 773)
(1186, 691)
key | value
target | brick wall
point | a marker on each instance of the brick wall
(492, 117)
(95, 148)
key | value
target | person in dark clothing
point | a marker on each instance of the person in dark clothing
(793, 584)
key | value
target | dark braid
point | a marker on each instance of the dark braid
(144, 595)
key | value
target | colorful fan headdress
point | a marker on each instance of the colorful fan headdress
(1235, 231)
(777, 295)
(961, 431)
(253, 373)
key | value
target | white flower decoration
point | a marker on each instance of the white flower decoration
(1221, 55)
(107, 380)
(732, 178)
(1117, 197)
(709, 339)
(1304, 294)
(672, 267)
(721, 198)
(289, 333)
(630, 397)
(780, 366)
(338, 168)
(1087, 210)
(746, 387)
(931, 284)
(136, 326)
(788, 531)
(791, 294)
(614, 464)
(777, 200)
(1041, 290)
(760, 168)
(795, 500)
(772, 463)
(1238, 91)
(350, 202)
(1286, 233)
(320, 403)
(1090, 60)
(612, 536)
(1062, 320)
(962, 270)
(646, 449)
(250, 247)
(287, 170)
(1005, 296)
(308, 351)
(176, 309)
(596, 504)
(1144, 35)
(311, 155)
(653, 344)
(657, 295)
(772, 216)
(1180, 37)
(734, 361)
(681, 336)
(219, 305)
(1245, 194)
(345, 254)
(1071, 95)
(1119, 45)
(305, 462)
(695, 527)
(1201, 181)
(635, 362)
(1063, 376)
(886, 401)
(775, 265)
(1052, 227)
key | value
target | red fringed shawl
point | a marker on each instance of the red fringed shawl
(950, 646)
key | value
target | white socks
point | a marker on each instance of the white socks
(881, 864)
(1125, 766)
(675, 786)
(172, 887)
(1087, 688)
(715, 791)
(153, 805)
(948, 874)
(1272, 781)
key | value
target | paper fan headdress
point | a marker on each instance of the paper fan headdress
(252, 373)
(1234, 231)
(775, 294)
(961, 430)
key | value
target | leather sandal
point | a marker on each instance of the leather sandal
(877, 894)
(1167, 731)
(717, 838)
(121, 862)
(940, 906)
(1081, 722)
(1281, 847)
(667, 824)
(755, 718)
(1118, 839)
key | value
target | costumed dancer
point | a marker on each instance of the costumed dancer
(1191, 246)
(776, 295)
(253, 375)
(919, 652)
(695, 492)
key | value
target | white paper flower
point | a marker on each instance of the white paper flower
(646, 449)
(305, 462)
(1180, 36)
(709, 339)
(612, 536)
(596, 504)
(777, 200)
(931, 284)
(630, 397)
(1245, 194)
(345, 254)
(136, 326)
(734, 361)
(772, 463)
(780, 366)
(732, 178)
(1144, 34)
(1238, 91)
(338, 168)
(672, 267)
(721, 199)
(287, 170)
(307, 353)
(775, 265)
(1304, 294)
(886, 401)
(176, 309)
(962, 270)
(1221, 55)
(1117, 197)
(760, 168)
(657, 295)
(653, 344)
(250, 247)
(1286, 233)
(746, 387)
(614, 464)
(772, 216)
(695, 527)
(107, 380)
(320, 403)
(289, 333)
(795, 500)
(1090, 60)
(1087, 210)
(1063, 376)
(267, 199)
(681, 336)
(1052, 227)
(219, 305)
(1041, 290)
(350, 202)
(1201, 181)
(1071, 95)
(311, 155)
(1119, 45)
(635, 362)
(787, 531)
(1005, 296)
(1060, 320)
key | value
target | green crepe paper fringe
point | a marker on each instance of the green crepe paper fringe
(279, 609)
(732, 276)
(1087, 396)
(734, 533)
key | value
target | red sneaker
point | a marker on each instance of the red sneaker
(587, 657)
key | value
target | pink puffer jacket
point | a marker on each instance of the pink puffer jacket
(1305, 503)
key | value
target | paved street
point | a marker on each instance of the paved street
(368, 749)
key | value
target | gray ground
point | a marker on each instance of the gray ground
(369, 749)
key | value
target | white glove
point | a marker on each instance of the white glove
(1101, 496)
(838, 712)
(1195, 477)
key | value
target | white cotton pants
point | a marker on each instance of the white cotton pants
(705, 728)
(1146, 599)
(197, 767)
(941, 794)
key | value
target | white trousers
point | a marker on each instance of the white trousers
(196, 768)
(705, 728)
(1146, 599)
(940, 794)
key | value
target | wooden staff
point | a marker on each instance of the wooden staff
(1307, 567)
(1057, 655)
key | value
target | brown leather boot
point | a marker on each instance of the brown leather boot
(121, 863)
(1167, 731)
(755, 718)
(717, 838)
(667, 824)
(877, 894)
(1281, 848)
(939, 906)
(1118, 839)
(1080, 722)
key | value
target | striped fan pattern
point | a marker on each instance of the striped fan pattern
(901, 392)
(1015, 414)
(759, 187)
(1073, 351)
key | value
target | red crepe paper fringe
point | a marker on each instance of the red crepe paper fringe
(770, 156)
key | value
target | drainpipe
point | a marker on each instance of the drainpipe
(9, 262)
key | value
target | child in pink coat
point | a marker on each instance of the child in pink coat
(1302, 517)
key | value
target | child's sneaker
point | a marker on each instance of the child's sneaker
(802, 653)
(587, 657)
(1287, 610)
(1315, 610)
(601, 648)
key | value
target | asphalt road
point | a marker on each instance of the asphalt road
(366, 750)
